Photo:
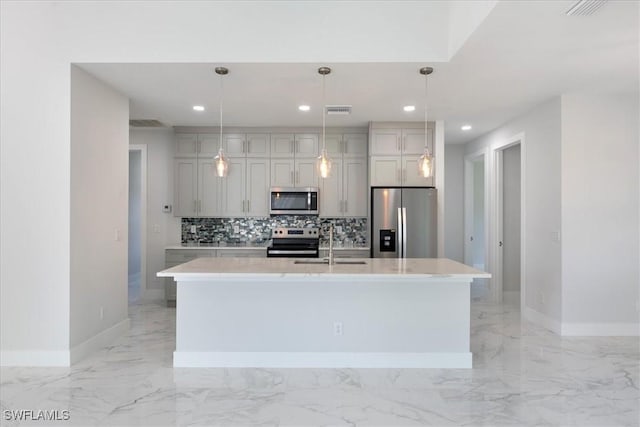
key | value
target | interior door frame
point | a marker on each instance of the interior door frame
(142, 148)
(469, 161)
(497, 228)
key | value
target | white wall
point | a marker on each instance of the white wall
(600, 248)
(541, 129)
(162, 228)
(99, 198)
(454, 202)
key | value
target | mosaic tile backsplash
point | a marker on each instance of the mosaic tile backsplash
(347, 232)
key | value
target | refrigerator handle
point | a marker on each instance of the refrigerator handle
(404, 232)
(400, 233)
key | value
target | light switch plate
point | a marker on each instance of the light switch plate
(166, 208)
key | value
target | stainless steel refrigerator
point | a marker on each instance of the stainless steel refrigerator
(404, 223)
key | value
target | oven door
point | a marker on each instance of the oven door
(292, 253)
(294, 201)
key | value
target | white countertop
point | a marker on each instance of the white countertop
(253, 268)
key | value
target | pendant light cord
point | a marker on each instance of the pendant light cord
(426, 139)
(324, 147)
(221, 93)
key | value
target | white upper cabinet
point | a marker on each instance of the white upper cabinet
(249, 144)
(209, 188)
(233, 188)
(282, 172)
(282, 144)
(355, 193)
(306, 145)
(257, 187)
(385, 142)
(208, 144)
(186, 145)
(331, 192)
(394, 156)
(185, 191)
(354, 144)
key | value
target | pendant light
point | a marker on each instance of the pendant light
(324, 162)
(220, 161)
(425, 162)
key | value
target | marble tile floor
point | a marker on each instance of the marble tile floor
(522, 376)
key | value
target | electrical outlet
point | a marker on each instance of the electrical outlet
(194, 229)
(338, 229)
(101, 313)
(555, 236)
(116, 235)
(337, 328)
(236, 229)
(156, 228)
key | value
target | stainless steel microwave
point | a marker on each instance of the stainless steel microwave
(293, 201)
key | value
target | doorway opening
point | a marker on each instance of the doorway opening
(509, 196)
(137, 219)
(476, 220)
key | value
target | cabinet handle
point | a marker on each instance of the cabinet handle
(195, 206)
(297, 177)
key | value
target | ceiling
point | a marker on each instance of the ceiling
(519, 55)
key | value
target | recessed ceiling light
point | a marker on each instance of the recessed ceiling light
(198, 108)
(304, 108)
(409, 108)
(466, 127)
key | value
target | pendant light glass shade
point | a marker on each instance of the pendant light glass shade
(323, 163)
(425, 162)
(221, 162)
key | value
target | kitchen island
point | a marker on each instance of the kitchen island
(282, 312)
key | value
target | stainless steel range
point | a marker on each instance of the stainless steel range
(294, 243)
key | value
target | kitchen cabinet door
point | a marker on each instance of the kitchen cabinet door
(385, 171)
(233, 189)
(185, 187)
(208, 145)
(186, 145)
(282, 145)
(257, 187)
(306, 174)
(209, 187)
(385, 142)
(306, 145)
(258, 145)
(355, 189)
(410, 177)
(331, 200)
(282, 172)
(412, 141)
(334, 145)
(354, 144)
(234, 144)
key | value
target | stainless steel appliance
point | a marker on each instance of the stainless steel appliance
(294, 201)
(294, 243)
(404, 223)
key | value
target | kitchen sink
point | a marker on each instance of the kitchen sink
(326, 262)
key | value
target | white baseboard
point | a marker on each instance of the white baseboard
(35, 358)
(601, 329)
(542, 320)
(99, 341)
(150, 295)
(320, 360)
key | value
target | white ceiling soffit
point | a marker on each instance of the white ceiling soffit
(522, 54)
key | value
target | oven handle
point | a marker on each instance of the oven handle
(291, 252)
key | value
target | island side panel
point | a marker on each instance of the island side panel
(397, 322)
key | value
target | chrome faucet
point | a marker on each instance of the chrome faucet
(331, 260)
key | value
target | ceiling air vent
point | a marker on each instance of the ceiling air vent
(145, 123)
(339, 109)
(585, 7)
